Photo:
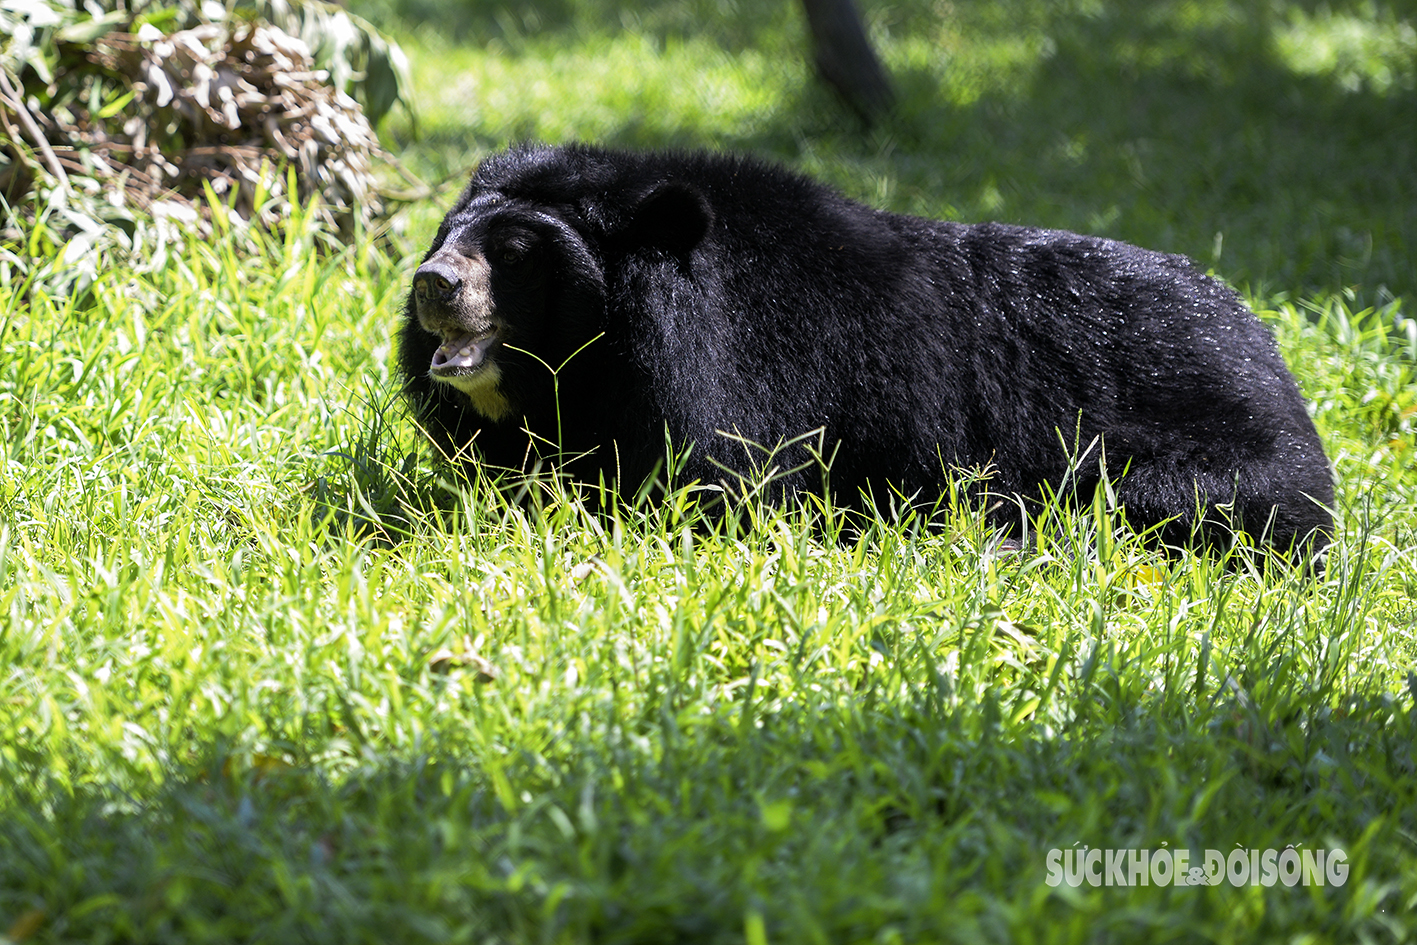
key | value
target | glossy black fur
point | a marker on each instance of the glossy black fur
(736, 296)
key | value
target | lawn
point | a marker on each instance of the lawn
(269, 673)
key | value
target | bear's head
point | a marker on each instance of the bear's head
(515, 282)
(505, 283)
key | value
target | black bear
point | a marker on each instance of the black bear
(600, 305)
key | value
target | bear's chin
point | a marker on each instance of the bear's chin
(479, 385)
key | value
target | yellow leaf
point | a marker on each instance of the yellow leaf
(26, 925)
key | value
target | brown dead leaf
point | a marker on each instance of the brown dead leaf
(26, 925)
(445, 660)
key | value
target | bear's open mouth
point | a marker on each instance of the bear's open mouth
(464, 355)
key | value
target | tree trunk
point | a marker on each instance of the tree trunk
(845, 59)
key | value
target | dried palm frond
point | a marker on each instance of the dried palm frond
(235, 108)
(226, 104)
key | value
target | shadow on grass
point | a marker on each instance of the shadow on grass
(735, 25)
(1201, 139)
(1273, 143)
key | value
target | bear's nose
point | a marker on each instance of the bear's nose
(436, 279)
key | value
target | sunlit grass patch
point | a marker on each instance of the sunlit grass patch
(1366, 48)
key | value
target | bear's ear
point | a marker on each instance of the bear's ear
(674, 217)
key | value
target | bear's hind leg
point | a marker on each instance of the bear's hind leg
(1279, 507)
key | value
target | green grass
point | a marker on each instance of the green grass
(266, 674)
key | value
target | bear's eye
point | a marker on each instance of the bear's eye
(512, 255)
